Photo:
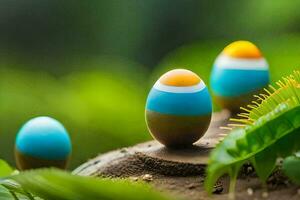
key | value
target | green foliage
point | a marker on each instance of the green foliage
(271, 129)
(5, 194)
(52, 184)
(129, 28)
(8, 189)
(12, 190)
(291, 166)
(5, 169)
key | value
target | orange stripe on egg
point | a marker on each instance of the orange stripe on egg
(242, 49)
(180, 78)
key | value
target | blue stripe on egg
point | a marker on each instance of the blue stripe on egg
(188, 104)
(233, 82)
(45, 138)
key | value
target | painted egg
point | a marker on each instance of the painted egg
(239, 72)
(42, 142)
(178, 108)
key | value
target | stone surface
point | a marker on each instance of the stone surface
(152, 156)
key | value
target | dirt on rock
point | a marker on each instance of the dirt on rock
(181, 172)
(191, 186)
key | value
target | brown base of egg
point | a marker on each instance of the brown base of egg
(234, 103)
(176, 131)
(25, 162)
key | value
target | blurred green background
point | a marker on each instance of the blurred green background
(90, 64)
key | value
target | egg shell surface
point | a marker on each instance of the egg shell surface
(44, 138)
(188, 96)
(178, 108)
(240, 69)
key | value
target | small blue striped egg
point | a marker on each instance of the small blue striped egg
(42, 139)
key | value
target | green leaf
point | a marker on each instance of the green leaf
(264, 163)
(224, 155)
(5, 169)
(52, 184)
(15, 189)
(291, 166)
(7, 193)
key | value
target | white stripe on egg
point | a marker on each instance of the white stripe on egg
(226, 62)
(179, 89)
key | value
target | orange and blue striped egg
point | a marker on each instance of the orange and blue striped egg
(178, 108)
(239, 70)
